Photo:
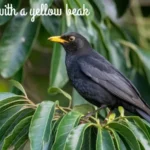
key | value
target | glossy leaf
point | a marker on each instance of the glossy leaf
(84, 108)
(67, 123)
(54, 131)
(141, 124)
(9, 112)
(18, 86)
(75, 138)
(78, 99)
(104, 140)
(10, 98)
(41, 126)
(18, 77)
(119, 144)
(140, 135)
(9, 125)
(6, 95)
(88, 137)
(15, 48)
(12, 103)
(16, 133)
(23, 139)
(54, 90)
(127, 134)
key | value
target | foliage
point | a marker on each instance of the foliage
(51, 126)
(55, 124)
(114, 42)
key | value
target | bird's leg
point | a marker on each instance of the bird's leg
(93, 112)
(110, 112)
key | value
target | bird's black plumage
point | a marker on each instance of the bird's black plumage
(97, 80)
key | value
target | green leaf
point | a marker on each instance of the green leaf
(55, 90)
(88, 136)
(141, 124)
(6, 95)
(121, 6)
(9, 104)
(37, 3)
(119, 144)
(139, 135)
(9, 99)
(15, 5)
(75, 138)
(67, 123)
(78, 99)
(126, 133)
(9, 125)
(18, 86)
(18, 77)
(104, 140)
(17, 131)
(58, 74)
(15, 48)
(84, 108)
(22, 140)
(41, 126)
(147, 125)
(9, 112)
(54, 131)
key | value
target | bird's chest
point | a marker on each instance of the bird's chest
(73, 70)
(77, 78)
(74, 73)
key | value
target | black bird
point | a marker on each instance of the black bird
(96, 79)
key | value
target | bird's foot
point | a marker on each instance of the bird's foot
(88, 115)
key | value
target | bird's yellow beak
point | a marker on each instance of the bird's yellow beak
(57, 39)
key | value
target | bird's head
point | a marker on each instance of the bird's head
(72, 42)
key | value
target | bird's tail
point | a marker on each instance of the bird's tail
(143, 114)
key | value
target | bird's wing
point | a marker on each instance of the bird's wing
(106, 76)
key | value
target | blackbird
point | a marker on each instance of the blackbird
(96, 79)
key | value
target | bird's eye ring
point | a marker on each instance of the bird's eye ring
(71, 38)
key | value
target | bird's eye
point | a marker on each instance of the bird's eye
(71, 38)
